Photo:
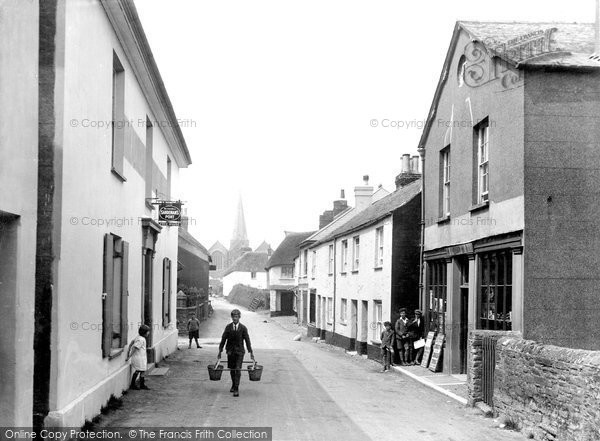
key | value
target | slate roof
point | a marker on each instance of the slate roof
(288, 249)
(249, 262)
(339, 220)
(185, 236)
(377, 211)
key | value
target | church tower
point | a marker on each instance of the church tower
(239, 240)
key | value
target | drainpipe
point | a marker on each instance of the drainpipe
(422, 302)
(597, 29)
(334, 281)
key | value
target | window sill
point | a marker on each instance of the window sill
(354, 271)
(343, 273)
(443, 219)
(480, 206)
(330, 274)
(378, 268)
(118, 174)
(114, 353)
(343, 323)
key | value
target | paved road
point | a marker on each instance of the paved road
(308, 391)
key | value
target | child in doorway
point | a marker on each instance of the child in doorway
(137, 354)
(387, 345)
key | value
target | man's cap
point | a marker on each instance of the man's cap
(402, 310)
(143, 329)
(236, 312)
(418, 311)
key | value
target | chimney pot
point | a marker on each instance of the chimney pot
(366, 179)
(342, 194)
(405, 168)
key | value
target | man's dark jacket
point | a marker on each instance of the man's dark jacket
(235, 339)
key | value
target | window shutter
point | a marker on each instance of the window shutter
(169, 290)
(124, 293)
(165, 305)
(107, 295)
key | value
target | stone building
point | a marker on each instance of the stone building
(511, 173)
(93, 261)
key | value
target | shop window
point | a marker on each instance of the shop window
(114, 297)
(437, 288)
(495, 290)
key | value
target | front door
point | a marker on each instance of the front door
(147, 294)
(354, 324)
(304, 303)
(287, 302)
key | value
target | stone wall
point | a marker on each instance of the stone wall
(551, 392)
(474, 362)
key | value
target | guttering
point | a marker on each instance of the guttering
(421, 151)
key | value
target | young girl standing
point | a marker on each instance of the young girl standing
(137, 353)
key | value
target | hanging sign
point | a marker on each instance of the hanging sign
(169, 213)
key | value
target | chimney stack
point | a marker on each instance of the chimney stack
(409, 170)
(363, 194)
(342, 194)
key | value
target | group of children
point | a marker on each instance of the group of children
(400, 339)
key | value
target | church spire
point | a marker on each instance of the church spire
(239, 239)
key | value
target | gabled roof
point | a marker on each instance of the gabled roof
(248, 262)
(264, 247)
(573, 45)
(189, 242)
(377, 211)
(340, 219)
(218, 246)
(288, 249)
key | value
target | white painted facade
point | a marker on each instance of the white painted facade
(18, 207)
(259, 280)
(95, 202)
(276, 277)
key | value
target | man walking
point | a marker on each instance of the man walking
(235, 335)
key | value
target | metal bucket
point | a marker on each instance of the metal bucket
(255, 371)
(215, 371)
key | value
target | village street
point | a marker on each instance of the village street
(308, 391)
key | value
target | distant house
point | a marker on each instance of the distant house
(248, 269)
(264, 247)
(280, 274)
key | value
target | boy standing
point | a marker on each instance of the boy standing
(137, 353)
(193, 327)
(402, 340)
(387, 346)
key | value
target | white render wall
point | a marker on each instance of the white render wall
(96, 202)
(244, 278)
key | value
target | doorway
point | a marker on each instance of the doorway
(304, 303)
(464, 313)
(354, 324)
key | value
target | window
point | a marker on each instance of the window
(445, 181)
(114, 294)
(118, 117)
(305, 263)
(436, 287)
(314, 264)
(330, 259)
(166, 292)
(168, 178)
(253, 275)
(495, 288)
(329, 310)
(287, 272)
(482, 162)
(377, 319)
(460, 74)
(344, 311)
(355, 252)
(379, 247)
(344, 256)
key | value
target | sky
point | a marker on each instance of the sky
(285, 103)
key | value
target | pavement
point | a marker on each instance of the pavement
(307, 392)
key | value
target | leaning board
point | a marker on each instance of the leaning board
(427, 349)
(435, 364)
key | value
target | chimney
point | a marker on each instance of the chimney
(414, 164)
(405, 166)
(409, 171)
(342, 194)
(325, 219)
(363, 194)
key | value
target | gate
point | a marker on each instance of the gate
(489, 366)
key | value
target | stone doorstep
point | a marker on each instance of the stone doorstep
(428, 380)
(157, 371)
